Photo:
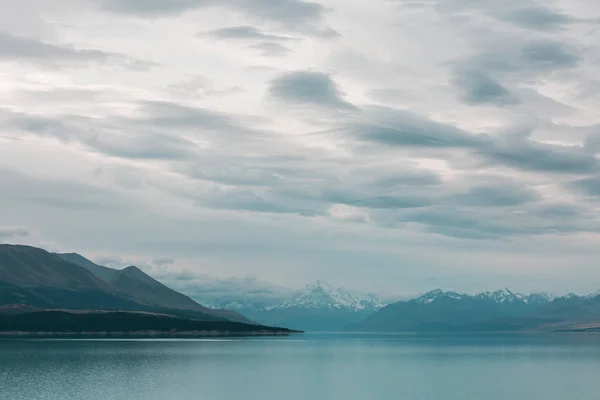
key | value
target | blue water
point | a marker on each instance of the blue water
(305, 367)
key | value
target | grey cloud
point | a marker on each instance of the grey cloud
(101, 136)
(495, 194)
(8, 233)
(24, 190)
(245, 32)
(550, 55)
(292, 11)
(377, 202)
(153, 7)
(234, 170)
(561, 211)
(253, 200)
(400, 129)
(528, 14)
(497, 224)
(308, 88)
(592, 140)
(31, 50)
(153, 134)
(493, 208)
(534, 16)
(371, 188)
(174, 115)
(306, 186)
(382, 189)
(271, 49)
(590, 186)
(212, 291)
(149, 146)
(480, 88)
(392, 176)
(474, 207)
(460, 223)
(393, 127)
(531, 155)
(504, 63)
(293, 14)
(522, 59)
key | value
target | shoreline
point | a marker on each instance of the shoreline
(145, 334)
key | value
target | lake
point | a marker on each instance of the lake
(302, 367)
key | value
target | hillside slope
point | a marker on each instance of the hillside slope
(34, 277)
(147, 290)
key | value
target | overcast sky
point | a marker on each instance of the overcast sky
(391, 146)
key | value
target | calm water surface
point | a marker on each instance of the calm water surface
(312, 366)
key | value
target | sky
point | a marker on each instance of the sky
(389, 146)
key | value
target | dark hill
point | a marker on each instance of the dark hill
(33, 277)
(147, 290)
(26, 266)
(104, 273)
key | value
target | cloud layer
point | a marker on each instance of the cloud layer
(387, 146)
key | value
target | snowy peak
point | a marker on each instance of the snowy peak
(438, 294)
(541, 298)
(501, 296)
(320, 295)
(319, 288)
(498, 296)
(506, 295)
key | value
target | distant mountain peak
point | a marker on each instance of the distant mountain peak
(500, 296)
(319, 286)
(132, 269)
(321, 295)
(437, 294)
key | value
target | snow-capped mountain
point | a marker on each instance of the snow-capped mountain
(437, 295)
(500, 310)
(320, 295)
(317, 307)
(498, 296)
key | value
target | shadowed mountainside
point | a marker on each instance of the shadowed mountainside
(36, 278)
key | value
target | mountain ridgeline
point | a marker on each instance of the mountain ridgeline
(319, 307)
(499, 311)
(33, 280)
(146, 289)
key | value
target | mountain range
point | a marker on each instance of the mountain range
(503, 310)
(318, 307)
(34, 281)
